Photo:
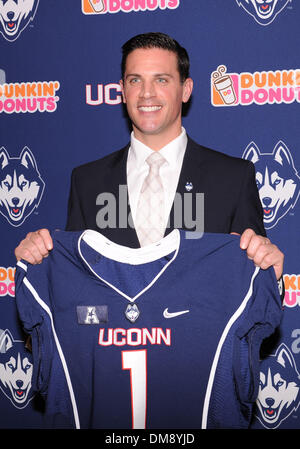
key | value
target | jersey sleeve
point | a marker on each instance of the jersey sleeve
(35, 302)
(235, 385)
(35, 322)
(262, 317)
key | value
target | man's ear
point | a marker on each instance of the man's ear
(187, 90)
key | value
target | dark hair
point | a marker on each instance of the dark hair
(157, 40)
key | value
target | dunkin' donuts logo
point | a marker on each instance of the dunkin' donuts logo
(292, 290)
(260, 88)
(7, 281)
(115, 6)
(36, 96)
(224, 87)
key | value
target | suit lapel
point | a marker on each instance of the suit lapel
(189, 182)
(123, 234)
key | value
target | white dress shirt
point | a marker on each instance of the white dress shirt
(137, 170)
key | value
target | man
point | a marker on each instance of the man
(155, 82)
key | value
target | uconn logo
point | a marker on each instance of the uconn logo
(21, 186)
(277, 181)
(278, 395)
(16, 367)
(15, 15)
(263, 11)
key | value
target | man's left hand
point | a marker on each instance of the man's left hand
(263, 253)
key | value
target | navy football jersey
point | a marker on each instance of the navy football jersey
(165, 336)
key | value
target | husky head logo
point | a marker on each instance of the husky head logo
(277, 181)
(15, 15)
(15, 370)
(278, 394)
(21, 186)
(263, 11)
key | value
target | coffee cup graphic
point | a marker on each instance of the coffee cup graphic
(97, 5)
(223, 85)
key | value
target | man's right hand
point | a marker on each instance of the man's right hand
(35, 246)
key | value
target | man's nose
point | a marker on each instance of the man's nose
(148, 89)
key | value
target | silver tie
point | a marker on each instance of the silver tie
(149, 223)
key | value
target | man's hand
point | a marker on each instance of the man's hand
(263, 253)
(35, 246)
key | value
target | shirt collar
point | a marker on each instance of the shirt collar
(173, 152)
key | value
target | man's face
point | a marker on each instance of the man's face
(153, 94)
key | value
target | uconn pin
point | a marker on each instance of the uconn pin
(132, 312)
(188, 186)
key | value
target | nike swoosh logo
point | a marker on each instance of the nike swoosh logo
(173, 314)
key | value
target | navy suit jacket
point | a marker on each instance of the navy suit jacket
(231, 200)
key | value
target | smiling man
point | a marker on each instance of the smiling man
(154, 93)
(155, 82)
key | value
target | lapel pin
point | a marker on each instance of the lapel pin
(188, 186)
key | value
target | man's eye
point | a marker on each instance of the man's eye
(161, 80)
(134, 80)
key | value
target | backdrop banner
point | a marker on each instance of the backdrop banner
(61, 106)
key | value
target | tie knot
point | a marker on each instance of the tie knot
(155, 160)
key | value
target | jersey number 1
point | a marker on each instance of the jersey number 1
(136, 362)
